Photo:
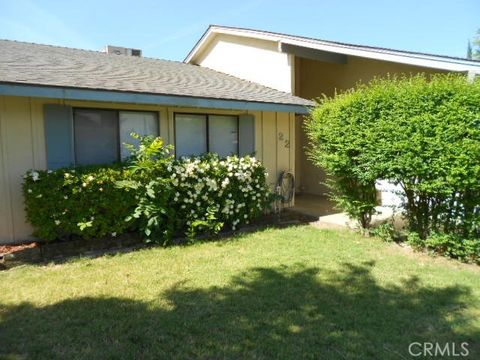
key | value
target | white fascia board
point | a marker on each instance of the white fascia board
(377, 54)
(385, 55)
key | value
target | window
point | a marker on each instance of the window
(197, 134)
(99, 134)
(223, 135)
(190, 134)
(143, 123)
(96, 137)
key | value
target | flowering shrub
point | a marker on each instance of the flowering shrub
(83, 201)
(198, 194)
(151, 192)
(212, 193)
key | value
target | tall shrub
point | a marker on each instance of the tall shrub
(421, 133)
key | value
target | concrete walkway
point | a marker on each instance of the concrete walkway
(327, 216)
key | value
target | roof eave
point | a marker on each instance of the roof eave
(67, 93)
(430, 61)
(199, 44)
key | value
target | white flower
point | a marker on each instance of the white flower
(114, 234)
(84, 184)
(57, 222)
(29, 191)
(65, 197)
(90, 178)
(35, 176)
(39, 196)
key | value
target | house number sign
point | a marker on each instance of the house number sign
(282, 138)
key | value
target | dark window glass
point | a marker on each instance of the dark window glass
(96, 137)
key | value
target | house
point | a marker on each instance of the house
(61, 107)
(238, 91)
(308, 68)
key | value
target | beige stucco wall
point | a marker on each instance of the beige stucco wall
(314, 78)
(249, 59)
(22, 147)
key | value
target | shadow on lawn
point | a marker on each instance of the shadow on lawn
(285, 312)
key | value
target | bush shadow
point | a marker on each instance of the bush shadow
(284, 312)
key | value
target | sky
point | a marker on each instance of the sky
(169, 29)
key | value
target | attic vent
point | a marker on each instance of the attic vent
(118, 50)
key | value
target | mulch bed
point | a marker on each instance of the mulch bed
(8, 249)
(60, 251)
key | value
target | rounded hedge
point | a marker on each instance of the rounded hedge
(420, 132)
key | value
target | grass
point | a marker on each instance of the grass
(292, 293)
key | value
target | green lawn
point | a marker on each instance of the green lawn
(292, 293)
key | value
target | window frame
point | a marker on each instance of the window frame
(117, 111)
(207, 124)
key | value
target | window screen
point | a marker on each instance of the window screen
(190, 134)
(96, 136)
(143, 123)
(223, 135)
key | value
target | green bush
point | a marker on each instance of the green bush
(152, 192)
(420, 133)
(81, 202)
(386, 232)
(450, 245)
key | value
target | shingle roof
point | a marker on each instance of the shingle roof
(27, 63)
